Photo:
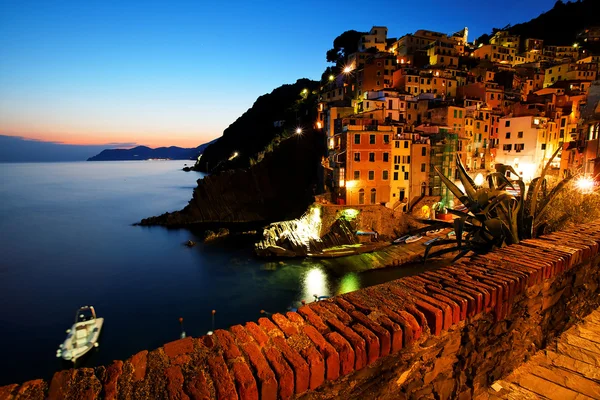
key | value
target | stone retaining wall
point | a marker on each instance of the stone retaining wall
(442, 334)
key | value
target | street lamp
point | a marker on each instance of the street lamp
(298, 131)
(585, 184)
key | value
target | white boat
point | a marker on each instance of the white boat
(413, 239)
(433, 232)
(83, 335)
(401, 239)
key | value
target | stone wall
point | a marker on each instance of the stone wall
(377, 217)
(441, 334)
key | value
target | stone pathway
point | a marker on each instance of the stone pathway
(567, 369)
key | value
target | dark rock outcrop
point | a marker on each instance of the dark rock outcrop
(280, 187)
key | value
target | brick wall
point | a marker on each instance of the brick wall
(442, 334)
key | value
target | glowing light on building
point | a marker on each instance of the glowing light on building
(298, 131)
(585, 184)
(351, 184)
(319, 125)
(234, 155)
(347, 69)
(479, 180)
(331, 78)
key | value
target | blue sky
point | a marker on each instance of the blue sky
(178, 73)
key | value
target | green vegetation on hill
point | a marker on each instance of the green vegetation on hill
(257, 131)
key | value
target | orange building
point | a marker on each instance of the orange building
(365, 176)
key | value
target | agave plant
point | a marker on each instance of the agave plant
(492, 216)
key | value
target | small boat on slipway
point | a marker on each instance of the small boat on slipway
(83, 335)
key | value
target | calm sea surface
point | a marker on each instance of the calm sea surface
(67, 240)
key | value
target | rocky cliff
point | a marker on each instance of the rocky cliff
(279, 187)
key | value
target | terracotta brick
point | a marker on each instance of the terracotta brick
(456, 311)
(371, 341)
(357, 342)
(34, 390)
(178, 347)
(316, 366)
(8, 392)
(397, 335)
(270, 328)
(60, 385)
(109, 384)
(266, 376)
(175, 383)
(295, 318)
(343, 304)
(337, 311)
(241, 336)
(434, 315)
(139, 363)
(461, 302)
(299, 366)
(345, 351)
(313, 319)
(332, 358)
(221, 378)
(257, 333)
(285, 375)
(382, 334)
(285, 325)
(244, 381)
(227, 344)
(196, 386)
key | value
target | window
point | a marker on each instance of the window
(507, 135)
(371, 175)
(563, 122)
(455, 113)
(371, 139)
(507, 147)
(485, 128)
(386, 157)
(477, 125)
(520, 135)
(543, 146)
(357, 156)
(386, 139)
(371, 157)
(385, 175)
(423, 151)
(406, 176)
(373, 196)
(519, 146)
(423, 167)
(396, 167)
(406, 144)
(507, 124)
(459, 111)
(361, 196)
(357, 138)
(396, 159)
(397, 144)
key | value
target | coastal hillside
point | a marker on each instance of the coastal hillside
(280, 187)
(146, 153)
(274, 115)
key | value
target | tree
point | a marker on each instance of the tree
(344, 45)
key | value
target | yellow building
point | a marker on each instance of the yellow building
(505, 39)
(401, 165)
(570, 71)
(495, 53)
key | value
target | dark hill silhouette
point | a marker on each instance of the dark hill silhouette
(145, 153)
(255, 129)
